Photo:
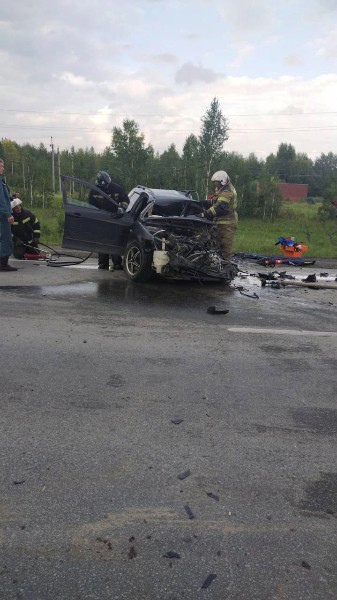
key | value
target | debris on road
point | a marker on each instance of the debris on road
(171, 554)
(209, 579)
(132, 553)
(212, 310)
(214, 496)
(19, 482)
(184, 474)
(176, 421)
(306, 565)
(189, 512)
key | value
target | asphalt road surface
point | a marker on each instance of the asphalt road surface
(149, 448)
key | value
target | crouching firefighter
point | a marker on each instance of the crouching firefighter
(223, 211)
(25, 230)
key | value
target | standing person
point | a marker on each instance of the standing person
(25, 230)
(117, 193)
(223, 211)
(6, 219)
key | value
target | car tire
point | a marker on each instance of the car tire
(137, 263)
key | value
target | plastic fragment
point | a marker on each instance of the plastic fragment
(214, 496)
(209, 579)
(184, 474)
(176, 421)
(214, 311)
(189, 512)
(171, 554)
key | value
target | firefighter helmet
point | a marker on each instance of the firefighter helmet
(103, 179)
(16, 202)
(220, 176)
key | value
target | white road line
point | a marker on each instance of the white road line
(283, 331)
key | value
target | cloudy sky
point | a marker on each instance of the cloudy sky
(74, 69)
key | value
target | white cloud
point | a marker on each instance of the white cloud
(190, 73)
(162, 63)
(327, 46)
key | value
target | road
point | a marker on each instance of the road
(135, 425)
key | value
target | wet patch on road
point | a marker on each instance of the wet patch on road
(321, 495)
(116, 381)
(316, 420)
(298, 349)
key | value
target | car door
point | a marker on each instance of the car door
(103, 227)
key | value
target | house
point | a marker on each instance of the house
(293, 192)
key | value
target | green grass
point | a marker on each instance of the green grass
(300, 220)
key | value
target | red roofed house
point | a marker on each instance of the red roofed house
(293, 192)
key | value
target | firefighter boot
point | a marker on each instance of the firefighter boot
(4, 266)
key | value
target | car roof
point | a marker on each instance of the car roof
(160, 194)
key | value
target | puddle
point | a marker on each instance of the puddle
(321, 495)
(316, 420)
(79, 289)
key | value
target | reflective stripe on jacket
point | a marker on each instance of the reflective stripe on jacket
(224, 205)
(26, 226)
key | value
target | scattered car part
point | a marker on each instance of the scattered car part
(184, 474)
(214, 311)
(209, 579)
(189, 512)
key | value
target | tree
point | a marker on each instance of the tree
(191, 164)
(213, 135)
(170, 169)
(130, 156)
(324, 174)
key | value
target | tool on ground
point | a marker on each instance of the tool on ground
(291, 248)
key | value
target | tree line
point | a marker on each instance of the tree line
(35, 171)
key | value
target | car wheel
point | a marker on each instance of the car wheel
(137, 263)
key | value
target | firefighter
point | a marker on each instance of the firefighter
(25, 230)
(117, 193)
(222, 211)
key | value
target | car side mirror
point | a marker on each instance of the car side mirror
(117, 214)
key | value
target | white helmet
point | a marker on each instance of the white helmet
(220, 176)
(16, 202)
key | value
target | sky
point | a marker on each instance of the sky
(73, 70)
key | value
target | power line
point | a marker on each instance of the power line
(169, 129)
(109, 114)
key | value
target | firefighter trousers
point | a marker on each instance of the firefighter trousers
(225, 233)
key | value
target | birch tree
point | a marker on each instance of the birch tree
(214, 133)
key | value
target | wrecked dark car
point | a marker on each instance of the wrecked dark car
(162, 232)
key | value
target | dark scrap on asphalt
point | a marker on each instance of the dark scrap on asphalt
(184, 474)
(189, 512)
(214, 496)
(212, 310)
(209, 579)
(171, 554)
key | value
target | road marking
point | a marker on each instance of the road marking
(302, 332)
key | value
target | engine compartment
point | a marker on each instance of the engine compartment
(188, 247)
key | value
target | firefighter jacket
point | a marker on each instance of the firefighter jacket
(26, 226)
(223, 209)
(115, 191)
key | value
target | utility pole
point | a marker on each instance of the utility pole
(52, 164)
(72, 186)
(59, 167)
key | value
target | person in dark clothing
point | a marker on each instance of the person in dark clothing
(6, 219)
(117, 193)
(25, 230)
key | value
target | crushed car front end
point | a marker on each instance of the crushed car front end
(181, 247)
